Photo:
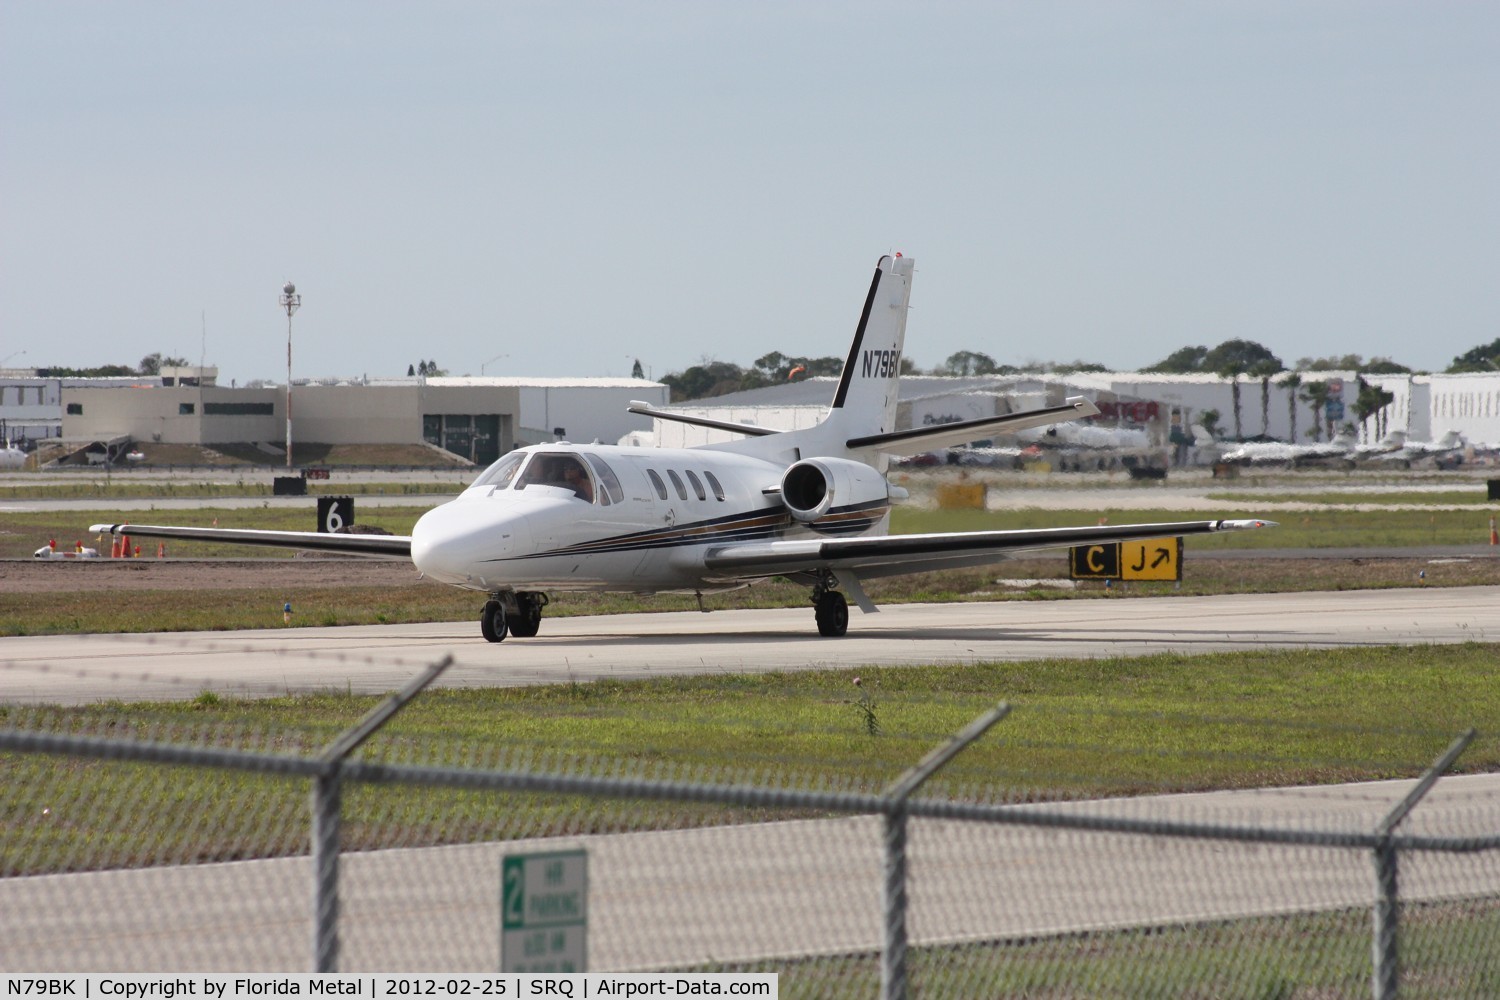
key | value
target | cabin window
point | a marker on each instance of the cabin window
(185, 409)
(697, 484)
(613, 491)
(657, 484)
(75, 409)
(677, 484)
(502, 472)
(713, 484)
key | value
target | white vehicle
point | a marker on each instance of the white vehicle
(811, 504)
(12, 457)
(51, 552)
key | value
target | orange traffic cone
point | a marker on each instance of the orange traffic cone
(161, 550)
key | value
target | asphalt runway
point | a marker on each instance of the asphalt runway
(379, 658)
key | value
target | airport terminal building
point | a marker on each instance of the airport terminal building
(478, 419)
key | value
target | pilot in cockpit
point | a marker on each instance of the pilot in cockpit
(575, 479)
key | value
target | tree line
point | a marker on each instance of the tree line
(150, 365)
(1235, 361)
(712, 378)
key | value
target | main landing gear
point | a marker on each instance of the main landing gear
(830, 608)
(517, 613)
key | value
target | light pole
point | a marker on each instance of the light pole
(495, 358)
(12, 354)
(290, 301)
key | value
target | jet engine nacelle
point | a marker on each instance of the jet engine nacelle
(814, 486)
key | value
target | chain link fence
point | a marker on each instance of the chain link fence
(189, 840)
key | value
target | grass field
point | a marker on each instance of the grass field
(33, 610)
(1080, 728)
(22, 532)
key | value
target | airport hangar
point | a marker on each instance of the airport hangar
(478, 419)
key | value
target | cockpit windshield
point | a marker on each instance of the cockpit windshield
(502, 472)
(564, 470)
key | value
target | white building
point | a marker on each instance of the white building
(1424, 407)
(31, 407)
(574, 409)
(476, 418)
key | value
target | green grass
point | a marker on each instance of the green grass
(1080, 728)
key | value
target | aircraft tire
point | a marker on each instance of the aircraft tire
(832, 613)
(528, 619)
(492, 621)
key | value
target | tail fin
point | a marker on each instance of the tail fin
(861, 424)
(865, 402)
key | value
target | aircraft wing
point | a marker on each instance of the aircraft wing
(889, 555)
(392, 546)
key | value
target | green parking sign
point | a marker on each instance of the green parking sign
(544, 912)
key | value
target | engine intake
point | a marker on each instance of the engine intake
(817, 488)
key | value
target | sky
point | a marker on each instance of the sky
(560, 188)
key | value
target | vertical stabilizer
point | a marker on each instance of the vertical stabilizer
(865, 402)
(864, 405)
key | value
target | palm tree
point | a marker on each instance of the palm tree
(1290, 381)
(1315, 395)
(1209, 419)
(1263, 370)
(1233, 371)
(1371, 402)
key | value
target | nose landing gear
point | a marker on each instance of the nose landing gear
(514, 613)
(492, 621)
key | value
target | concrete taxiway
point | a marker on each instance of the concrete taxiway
(757, 892)
(379, 658)
(761, 892)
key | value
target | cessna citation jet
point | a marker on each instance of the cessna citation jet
(812, 505)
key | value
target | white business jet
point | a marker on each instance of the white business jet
(812, 505)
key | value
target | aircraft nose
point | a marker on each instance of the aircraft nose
(458, 543)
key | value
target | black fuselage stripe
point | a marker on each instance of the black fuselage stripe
(762, 524)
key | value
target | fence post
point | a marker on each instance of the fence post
(327, 799)
(326, 803)
(893, 952)
(1385, 976)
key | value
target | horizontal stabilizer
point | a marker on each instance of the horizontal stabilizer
(647, 410)
(920, 439)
